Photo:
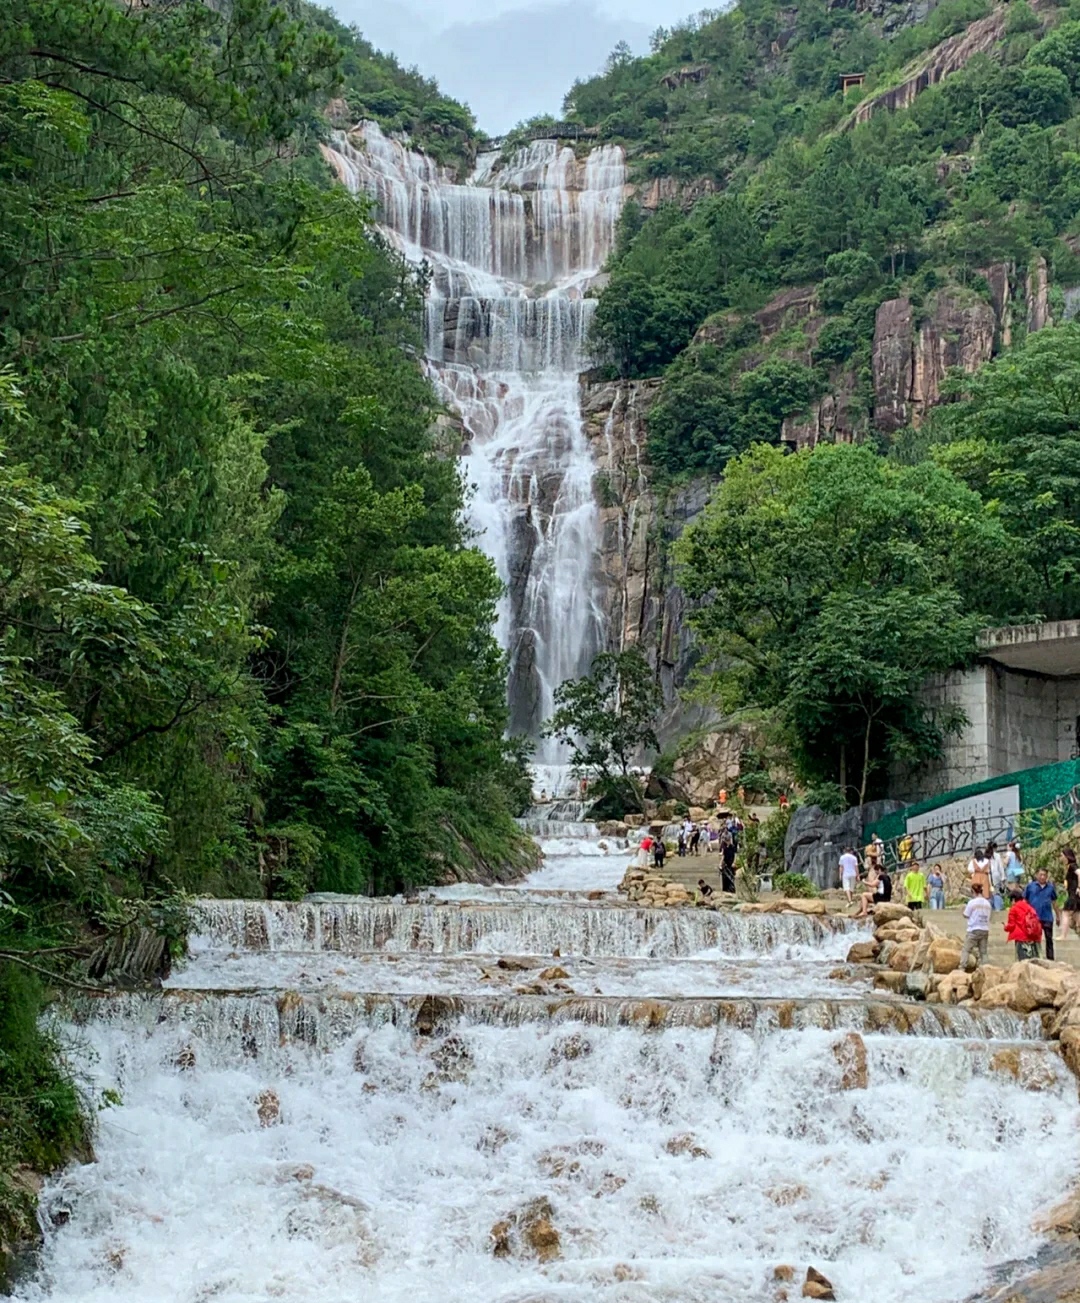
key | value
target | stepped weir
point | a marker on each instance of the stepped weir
(338, 1098)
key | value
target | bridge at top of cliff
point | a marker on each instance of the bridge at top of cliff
(550, 131)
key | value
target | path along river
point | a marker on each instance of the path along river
(336, 1100)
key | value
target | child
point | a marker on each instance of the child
(915, 886)
(1022, 926)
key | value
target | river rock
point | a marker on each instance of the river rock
(527, 1232)
(817, 1286)
(268, 1107)
(863, 952)
(890, 913)
(954, 987)
(686, 1143)
(554, 974)
(902, 955)
(1038, 984)
(850, 1053)
(803, 906)
(944, 954)
(890, 981)
(1062, 1219)
(982, 979)
(900, 930)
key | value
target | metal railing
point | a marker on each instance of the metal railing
(965, 836)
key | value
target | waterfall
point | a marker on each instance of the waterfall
(511, 254)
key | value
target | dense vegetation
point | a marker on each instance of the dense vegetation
(244, 644)
(981, 167)
(832, 582)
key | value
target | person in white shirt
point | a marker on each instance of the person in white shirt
(977, 912)
(849, 873)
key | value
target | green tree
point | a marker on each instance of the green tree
(832, 583)
(608, 719)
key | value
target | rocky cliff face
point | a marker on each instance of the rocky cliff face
(914, 346)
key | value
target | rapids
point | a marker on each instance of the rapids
(680, 1105)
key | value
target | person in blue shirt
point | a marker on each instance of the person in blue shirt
(1041, 895)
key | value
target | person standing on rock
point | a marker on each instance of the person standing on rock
(1022, 926)
(1041, 895)
(727, 865)
(1070, 911)
(977, 912)
(936, 884)
(849, 873)
(915, 886)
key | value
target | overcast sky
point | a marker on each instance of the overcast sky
(509, 59)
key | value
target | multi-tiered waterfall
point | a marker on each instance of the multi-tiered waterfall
(540, 1094)
(511, 255)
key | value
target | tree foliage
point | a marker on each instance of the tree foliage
(832, 584)
(607, 719)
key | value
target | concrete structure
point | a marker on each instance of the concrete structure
(1021, 700)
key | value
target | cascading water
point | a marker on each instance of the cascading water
(341, 1099)
(511, 255)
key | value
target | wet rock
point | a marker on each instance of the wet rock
(1063, 1219)
(783, 1272)
(686, 1143)
(863, 952)
(890, 981)
(902, 955)
(622, 1271)
(786, 1195)
(185, 1059)
(850, 1053)
(452, 1059)
(528, 1232)
(817, 1286)
(554, 974)
(492, 1140)
(514, 965)
(268, 1108)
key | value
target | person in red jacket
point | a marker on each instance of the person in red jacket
(1023, 926)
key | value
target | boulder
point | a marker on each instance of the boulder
(798, 906)
(890, 981)
(528, 1232)
(817, 1286)
(1002, 995)
(850, 1053)
(1038, 984)
(900, 930)
(902, 955)
(815, 840)
(944, 954)
(982, 979)
(919, 984)
(863, 952)
(954, 987)
(890, 913)
(1062, 1219)
(1070, 1048)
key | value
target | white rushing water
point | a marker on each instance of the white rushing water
(676, 1095)
(511, 254)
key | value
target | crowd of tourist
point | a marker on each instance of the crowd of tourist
(993, 877)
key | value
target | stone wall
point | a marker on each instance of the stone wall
(1015, 721)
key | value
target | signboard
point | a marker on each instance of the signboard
(1001, 805)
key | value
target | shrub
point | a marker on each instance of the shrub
(795, 885)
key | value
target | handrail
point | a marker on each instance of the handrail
(964, 836)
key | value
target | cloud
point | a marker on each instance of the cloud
(507, 59)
